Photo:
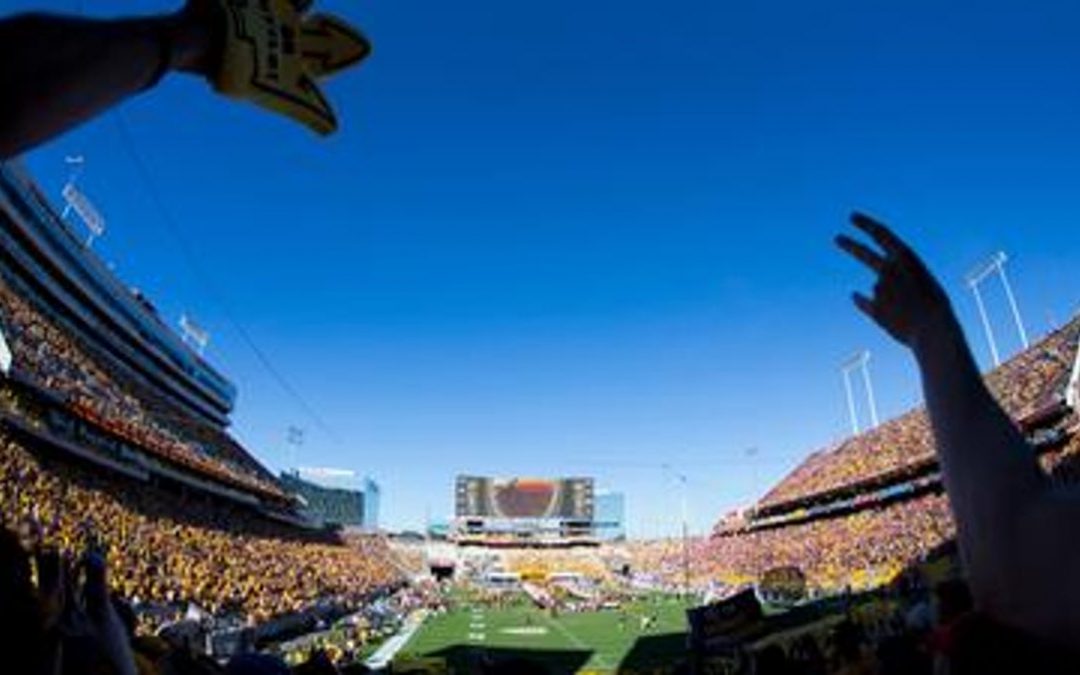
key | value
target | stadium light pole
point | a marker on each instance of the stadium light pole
(995, 264)
(685, 537)
(1001, 259)
(294, 437)
(869, 387)
(850, 401)
(685, 526)
(859, 361)
(985, 322)
(76, 163)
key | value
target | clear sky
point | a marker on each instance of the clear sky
(570, 237)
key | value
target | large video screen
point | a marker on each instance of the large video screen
(534, 498)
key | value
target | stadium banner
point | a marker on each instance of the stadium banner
(524, 498)
(724, 624)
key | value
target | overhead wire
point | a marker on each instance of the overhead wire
(209, 287)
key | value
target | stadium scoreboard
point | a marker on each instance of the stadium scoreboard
(524, 508)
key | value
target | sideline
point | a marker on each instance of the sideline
(385, 654)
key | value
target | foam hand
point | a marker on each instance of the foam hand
(271, 54)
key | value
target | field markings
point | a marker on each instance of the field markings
(601, 660)
(477, 626)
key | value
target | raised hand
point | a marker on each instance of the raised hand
(52, 585)
(108, 629)
(907, 301)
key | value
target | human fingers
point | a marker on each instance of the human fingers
(862, 253)
(880, 233)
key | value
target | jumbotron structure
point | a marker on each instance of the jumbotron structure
(530, 512)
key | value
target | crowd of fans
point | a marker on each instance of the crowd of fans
(169, 551)
(175, 555)
(95, 389)
(1022, 383)
(868, 543)
(863, 549)
(539, 564)
(172, 551)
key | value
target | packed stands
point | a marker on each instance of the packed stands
(1025, 385)
(103, 438)
(540, 564)
(857, 515)
(96, 390)
(412, 557)
(171, 548)
(864, 549)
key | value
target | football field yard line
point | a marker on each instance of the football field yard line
(596, 636)
(601, 660)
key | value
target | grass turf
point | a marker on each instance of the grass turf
(603, 641)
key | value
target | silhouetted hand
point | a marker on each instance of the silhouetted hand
(907, 302)
(52, 586)
(89, 621)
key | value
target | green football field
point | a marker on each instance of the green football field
(604, 641)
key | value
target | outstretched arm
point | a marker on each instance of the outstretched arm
(57, 72)
(1014, 532)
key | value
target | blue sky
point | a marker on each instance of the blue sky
(594, 237)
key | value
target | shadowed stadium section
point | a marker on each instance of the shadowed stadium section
(476, 659)
(654, 651)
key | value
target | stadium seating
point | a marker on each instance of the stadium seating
(905, 444)
(538, 564)
(96, 390)
(860, 513)
(864, 549)
(168, 549)
(170, 546)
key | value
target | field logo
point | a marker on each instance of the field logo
(525, 630)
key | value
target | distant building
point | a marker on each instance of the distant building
(438, 529)
(372, 496)
(324, 505)
(609, 516)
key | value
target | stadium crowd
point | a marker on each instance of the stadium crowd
(170, 551)
(95, 389)
(536, 564)
(167, 551)
(1020, 384)
(863, 549)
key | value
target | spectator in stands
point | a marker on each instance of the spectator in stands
(170, 550)
(1016, 530)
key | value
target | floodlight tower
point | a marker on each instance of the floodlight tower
(76, 164)
(294, 437)
(995, 264)
(859, 361)
(681, 479)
